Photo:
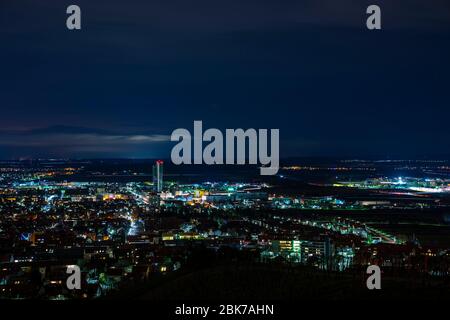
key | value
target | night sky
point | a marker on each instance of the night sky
(139, 69)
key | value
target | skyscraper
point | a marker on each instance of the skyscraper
(158, 175)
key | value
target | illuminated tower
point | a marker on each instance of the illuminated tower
(158, 175)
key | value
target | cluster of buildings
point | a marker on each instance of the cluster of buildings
(420, 185)
(123, 233)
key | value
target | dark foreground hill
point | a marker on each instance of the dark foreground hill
(279, 283)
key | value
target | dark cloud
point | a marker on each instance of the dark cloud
(143, 68)
(79, 141)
